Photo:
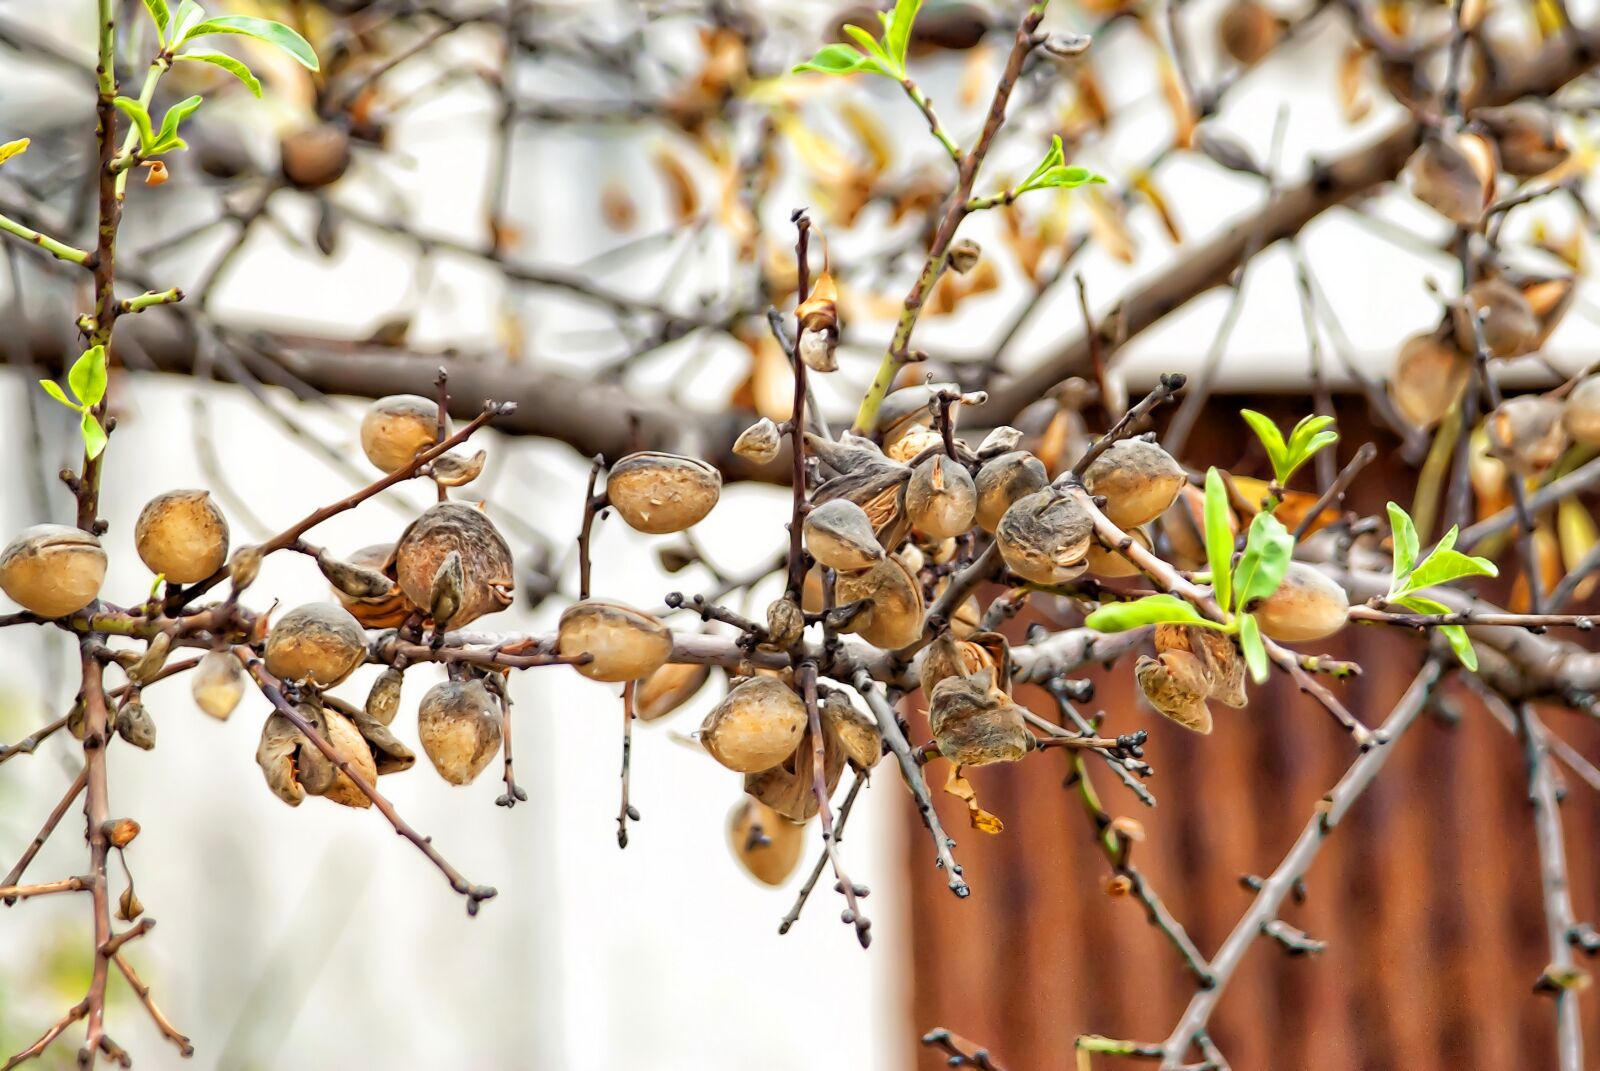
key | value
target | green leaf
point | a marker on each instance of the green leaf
(52, 388)
(1271, 438)
(1255, 652)
(94, 436)
(1406, 545)
(140, 119)
(1054, 158)
(175, 115)
(1066, 178)
(897, 29)
(1219, 539)
(161, 14)
(13, 148)
(273, 33)
(1267, 550)
(1305, 431)
(1455, 635)
(87, 376)
(837, 59)
(233, 66)
(189, 14)
(1150, 610)
(872, 47)
(1443, 566)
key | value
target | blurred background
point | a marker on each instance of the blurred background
(585, 207)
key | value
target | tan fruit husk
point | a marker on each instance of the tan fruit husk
(182, 535)
(1308, 605)
(383, 701)
(1003, 480)
(315, 157)
(397, 428)
(1453, 175)
(1107, 562)
(1138, 479)
(894, 619)
(757, 724)
(1508, 323)
(1044, 537)
(52, 570)
(855, 733)
(941, 497)
(319, 643)
(767, 845)
(788, 787)
(1248, 31)
(662, 493)
(1525, 136)
(624, 644)
(975, 723)
(1174, 682)
(488, 577)
(667, 689)
(217, 684)
(1220, 666)
(459, 727)
(1429, 375)
(913, 443)
(351, 746)
(840, 535)
(1528, 433)
(1581, 416)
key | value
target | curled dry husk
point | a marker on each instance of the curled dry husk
(941, 497)
(388, 607)
(487, 578)
(866, 477)
(756, 726)
(1308, 605)
(383, 701)
(951, 656)
(458, 725)
(1138, 479)
(894, 617)
(217, 684)
(182, 535)
(856, 733)
(53, 570)
(667, 689)
(388, 753)
(839, 535)
(759, 443)
(767, 845)
(1004, 479)
(975, 724)
(789, 786)
(1509, 326)
(1044, 537)
(295, 767)
(318, 643)
(1527, 433)
(1525, 136)
(1192, 664)
(458, 470)
(661, 493)
(1454, 175)
(786, 625)
(624, 644)
(398, 428)
(1428, 377)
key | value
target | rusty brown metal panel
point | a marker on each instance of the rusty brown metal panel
(1428, 893)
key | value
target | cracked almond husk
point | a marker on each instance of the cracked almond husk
(1003, 480)
(1528, 433)
(756, 726)
(941, 497)
(894, 617)
(854, 731)
(52, 570)
(388, 607)
(789, 786)
(839, 535)
(1045, 536)
(182, 535)
(397, 428)
(1175, 684)
(488, 577)
(1221, 667)
(459, 727)
(1139, 480)
(1510, 328)
(662, 493)
(975, 724)
(624, 644)
(318, 643)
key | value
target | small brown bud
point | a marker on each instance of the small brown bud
(155, 172)
(384, 698)
(1118, 886)
(964, 255)
(128, 905)
(135, 725)
(759, 443)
